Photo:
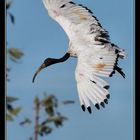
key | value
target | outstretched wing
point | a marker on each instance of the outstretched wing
(83, 28)
(77, 20)
(91, 66)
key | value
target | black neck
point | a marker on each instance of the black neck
(64, 58)
(51, 61)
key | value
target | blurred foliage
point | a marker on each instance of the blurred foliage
(9, 117)
(8, 5)
(15, 54)
(46, 115)
(15, 111)
(49, 105)
(25, 121)
(11, 99)
(44, 124)
(7, 75)
(12, 18)
(11, 111)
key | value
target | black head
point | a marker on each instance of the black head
(50, 61)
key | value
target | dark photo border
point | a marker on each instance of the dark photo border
(2, 68)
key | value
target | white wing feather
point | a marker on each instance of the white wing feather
(76, 20)
(89, 68)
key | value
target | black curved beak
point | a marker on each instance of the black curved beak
(50, 61)
(38, 70)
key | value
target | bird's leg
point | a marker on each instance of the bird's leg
(50, 61)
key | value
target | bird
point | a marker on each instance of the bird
(97, 57)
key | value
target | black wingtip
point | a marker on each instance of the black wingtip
(119, 71)
(102, 104)
(89, 109)
(83, 108)
(106, 101)
(107, 87)
(113, 72)
(123, 75)
(97, 106)
(108, 96)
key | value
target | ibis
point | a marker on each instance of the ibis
(97, 57)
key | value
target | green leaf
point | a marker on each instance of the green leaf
(48, 130)
(15, 54)
(15, 111)
(11, 99)
(25, 121)
(9, 117)
(44, 130)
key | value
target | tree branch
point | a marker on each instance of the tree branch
(36, 102)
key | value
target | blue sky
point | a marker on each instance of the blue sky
(39, 37)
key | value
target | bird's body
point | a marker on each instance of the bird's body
(89, 42)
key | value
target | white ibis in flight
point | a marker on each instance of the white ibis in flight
(89, 42)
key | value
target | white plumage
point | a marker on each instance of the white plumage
(90, 43)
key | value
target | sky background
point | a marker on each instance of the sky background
(39, 37)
